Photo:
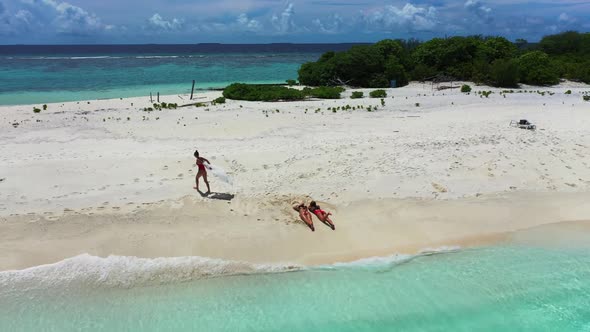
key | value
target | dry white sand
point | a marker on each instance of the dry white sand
(104, 177)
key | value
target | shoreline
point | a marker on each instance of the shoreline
(225, 231)
(217, 88)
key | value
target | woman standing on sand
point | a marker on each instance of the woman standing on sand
(304, 214)
(322, 215)
(202, 171)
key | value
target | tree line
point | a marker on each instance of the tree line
(491, 60)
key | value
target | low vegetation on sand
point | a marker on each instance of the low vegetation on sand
(220, 100)
(254, 92)
(357, 95)
(378, 94)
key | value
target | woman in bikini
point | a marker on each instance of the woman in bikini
(304, 214)
(202, 172)
(322, 215)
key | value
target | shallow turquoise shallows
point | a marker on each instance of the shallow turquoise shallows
(511, 288)
(49, 79)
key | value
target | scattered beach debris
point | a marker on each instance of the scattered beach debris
(523, 124)
(439, 188)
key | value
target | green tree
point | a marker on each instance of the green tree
(394, 70)
(504, 73)
(536, 68)
(498, 48)
(566, 42)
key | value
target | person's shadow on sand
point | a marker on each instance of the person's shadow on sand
(218, 196)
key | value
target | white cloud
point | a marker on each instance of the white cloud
(24, 16)
(13, 24)
(159, 23)
(483, 12)
(243, 22)
(563, 17)
(410, 18)
(284, 22)
(63, 17)
(331, 25)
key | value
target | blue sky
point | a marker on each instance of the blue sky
(263, 21)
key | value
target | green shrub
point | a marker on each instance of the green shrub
(568, 92)
(586, 98)
(220, 100)
(45, 107)
(250, 92)
(378, 94)
(324, 92)
(37, 110)
(357, 95)
(253, 92)
(465, 88)
(291, 82)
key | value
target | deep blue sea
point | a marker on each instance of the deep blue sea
(45, 74)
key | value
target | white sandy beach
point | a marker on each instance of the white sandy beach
(104, 177)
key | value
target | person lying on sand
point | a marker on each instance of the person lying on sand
(202, 172)
(322, 215)
(304, 214)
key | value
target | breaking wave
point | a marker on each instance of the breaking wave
(87, 271)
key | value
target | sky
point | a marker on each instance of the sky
(269, 21)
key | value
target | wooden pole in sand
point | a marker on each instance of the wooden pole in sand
(158, 96)
(151, 100)
(193, 89)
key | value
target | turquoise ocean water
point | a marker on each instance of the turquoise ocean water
(502, 288)
(45, 74)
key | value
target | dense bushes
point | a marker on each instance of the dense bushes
(465, 88)
(220, 100)
(491, 60)
(537, 69)
(371, 66)
(357, 95)
(324, 92)
(253, 92)
(378, 94)
(504, 73)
